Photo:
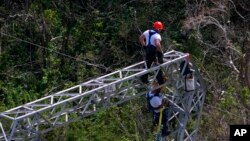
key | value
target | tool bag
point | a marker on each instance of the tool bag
(189, 82)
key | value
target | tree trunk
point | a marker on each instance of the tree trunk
(245, 65)
(247, 69)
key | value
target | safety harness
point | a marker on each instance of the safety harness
(149, 37)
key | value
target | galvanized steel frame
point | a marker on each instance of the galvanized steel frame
(30, 120)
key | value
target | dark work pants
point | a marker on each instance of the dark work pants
(151, 55)
(163, 122)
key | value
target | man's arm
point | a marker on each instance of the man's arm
(158, 45)
(142, 40)
(159, 51)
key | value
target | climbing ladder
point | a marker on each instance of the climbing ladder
(31, 120)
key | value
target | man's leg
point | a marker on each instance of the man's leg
(159, 57)
(160, 78)
(149, 61)
(165, 131)
(144, 78)
(156, 118)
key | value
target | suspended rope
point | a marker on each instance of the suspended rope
(160, 121)
(159, 127)
(57, 52)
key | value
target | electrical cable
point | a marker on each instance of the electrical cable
(57, 52)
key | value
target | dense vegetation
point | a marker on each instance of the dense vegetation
(47, 46)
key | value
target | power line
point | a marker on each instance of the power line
(60, 53)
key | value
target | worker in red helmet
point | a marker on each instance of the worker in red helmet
(151, 40)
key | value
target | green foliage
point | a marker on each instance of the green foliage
(244, 97)
(116, 123)
(61, 37)
(49, 15)
(229, 99)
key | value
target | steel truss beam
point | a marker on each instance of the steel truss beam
(30, 120)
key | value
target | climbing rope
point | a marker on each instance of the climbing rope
(159, 127)
(160, 121)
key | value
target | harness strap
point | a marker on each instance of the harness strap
(149, 37)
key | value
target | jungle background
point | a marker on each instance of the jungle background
(47, 46)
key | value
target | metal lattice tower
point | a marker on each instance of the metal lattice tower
(29, 121)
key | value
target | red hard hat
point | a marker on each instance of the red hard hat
(158, 25)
